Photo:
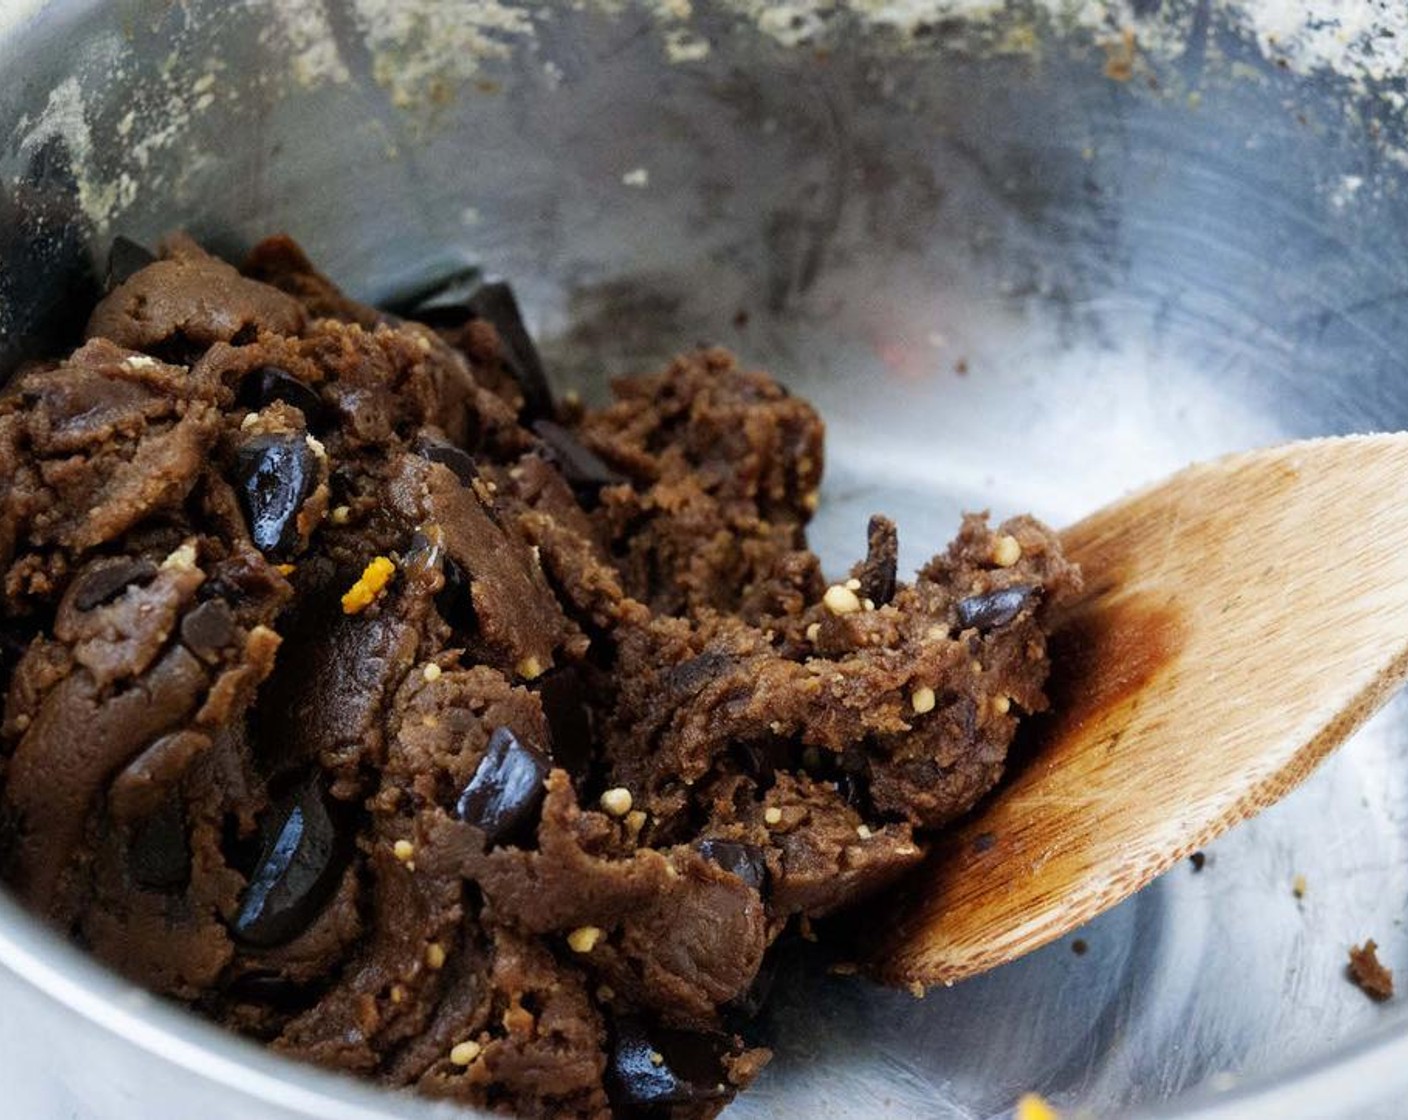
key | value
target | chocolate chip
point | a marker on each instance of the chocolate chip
(1199, 860)
(276, 473)
(296, 873)
(107, 579)
(503, 796)
(267, 384)
(877, 574)
(159, 853)
(563, 696)
(455, 600)
(210, 627)
(442, 451)
(655, 1066)
(125, 259)
(583, 469)
(993, 608)
(744, 860)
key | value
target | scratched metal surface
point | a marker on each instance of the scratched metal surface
(1006, 279)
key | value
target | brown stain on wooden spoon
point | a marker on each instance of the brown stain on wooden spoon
(1239, 621)
(1135, 636)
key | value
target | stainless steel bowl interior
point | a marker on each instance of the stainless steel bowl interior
(1020, 261)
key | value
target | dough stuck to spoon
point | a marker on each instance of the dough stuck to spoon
(1239, 621)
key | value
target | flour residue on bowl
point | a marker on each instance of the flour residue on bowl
(420, 55)
(1363, 40)
(301, 31)
(158, 117)
(423, 50)
(63, 118)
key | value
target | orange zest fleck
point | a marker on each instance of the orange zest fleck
(375, 576)
(1033, 1107)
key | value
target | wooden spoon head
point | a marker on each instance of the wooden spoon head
(1239, 621)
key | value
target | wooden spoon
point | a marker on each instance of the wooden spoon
(1239, 621)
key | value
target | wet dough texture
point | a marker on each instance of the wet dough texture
(370, 705)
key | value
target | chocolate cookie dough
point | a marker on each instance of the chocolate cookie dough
(378, 708)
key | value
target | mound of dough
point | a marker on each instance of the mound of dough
(377, 708)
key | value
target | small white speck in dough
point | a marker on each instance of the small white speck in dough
(465, 1052)
(840, 599)
(617, 801)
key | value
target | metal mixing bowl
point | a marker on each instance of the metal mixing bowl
(1019, 258)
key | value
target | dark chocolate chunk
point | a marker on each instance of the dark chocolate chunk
(444, 304)
(297, 871)
(849, 772)
(467, 295)
(652, 1067)
(160, 854)
(744, 860)
(210, 627)
(442, 451)
(968, 713)
(877, 574)
(494, 301)
(106, 580)
(751, 1002)
(994, 608)
(1199, 860)
(564, 699)
(276, 473)
(268, 988)
(455, 600)
(240, 850)
(762, 760)
(583, 469)
(688, 677)
(853, 789)
(13, 644)
(426, 551)
(506, 791)
(270, 383)
(125, 259)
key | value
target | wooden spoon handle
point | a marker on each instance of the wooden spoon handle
(1239, 621)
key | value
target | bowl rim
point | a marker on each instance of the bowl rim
(1340, 1081)
(1343, 1079)
(35, 955)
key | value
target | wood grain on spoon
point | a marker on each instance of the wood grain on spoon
(1239, 621)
